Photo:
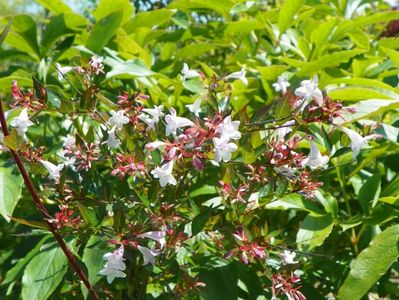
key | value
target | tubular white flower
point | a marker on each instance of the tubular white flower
(287, 257)
(118, 119)
(164, 174)
(155, 145)
(223, 149)
(156, 112)
(282, 84)
(148, 254)
(357, 141)
(112, 141)
(315, 160)
(229, 129)
(62, 70)
(114, 266)
(54, 170)
(195, 108)
(285, 129)
(187, 73)
(158, 236)
(173, 122)
(22, 122)
(238, 75)
(309, 89)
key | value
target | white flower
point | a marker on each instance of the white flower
(357, 141)
(118, 118)
(238, 75)
(287, 257)
(96, 64)
(309, 89)
(223, 149)
(164, 174)
(174, 122)
(187, 73)
(154, 145)
(53, 169)
(69, 141)
(158, 236)
(156, 112)
(22, 122)
(315, 160)
(62, 70)
(112, 141)
(148, 254)
(195, 108)
(114, 266)
(281, 84)
(229, 129)
(67, 161)
(285, 129)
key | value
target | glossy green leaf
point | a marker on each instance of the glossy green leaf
(39, 285)
(369, 191)
(287, 13)
(17, 269)
(55, 6)
(23, 35)
(293, 201)
(126, 69)
(200, 220)
(221, 283)
(104, 30)
(148, 19)
(372, 263)
(105, 7)
(10, 189)
(92, 257)
(313, 231)
(328, 60)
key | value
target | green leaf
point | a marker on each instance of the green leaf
(313, 231)
(293, 201)
(372, 263)
(88, 214)
(287, 13)
(204, 190)
(194, 85)
(369, 191)
(11, 140)
(5, 31)
(92, 257)
(367, 109)
(200, 220)
(353, 93)
(221, 7)
(16, 270)
(193, 50)
(44, 273)
(126, 69)
(23, 35)
(10, 189)
(55, 6)
(103, 31)
(326, 61)
(221, 283)
(148, 19)
(60, 26)
(105, 7)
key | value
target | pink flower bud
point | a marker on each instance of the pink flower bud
(197, 163)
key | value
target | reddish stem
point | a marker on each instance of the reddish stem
(43, 211)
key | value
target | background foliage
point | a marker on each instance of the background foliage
(349, 226)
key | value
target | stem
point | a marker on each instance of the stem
(43, 211)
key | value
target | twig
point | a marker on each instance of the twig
(43, 211)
